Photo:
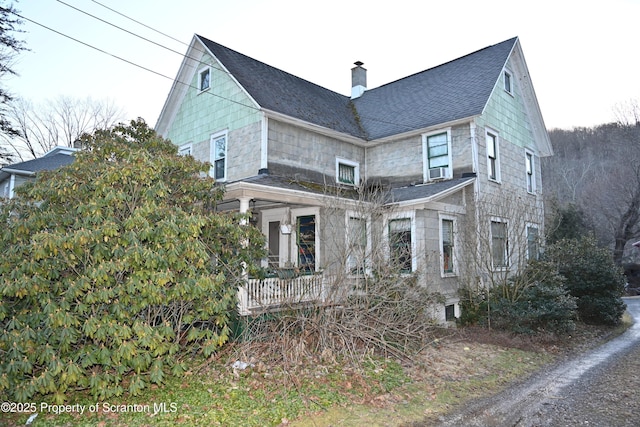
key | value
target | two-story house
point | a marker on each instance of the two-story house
(421, 170)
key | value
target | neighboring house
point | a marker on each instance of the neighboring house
(454, 150)
(12, 176)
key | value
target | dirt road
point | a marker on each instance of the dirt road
(598, 388)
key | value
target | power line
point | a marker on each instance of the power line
(175, 80)
(131, 62)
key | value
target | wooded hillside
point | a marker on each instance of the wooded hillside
(598, 171)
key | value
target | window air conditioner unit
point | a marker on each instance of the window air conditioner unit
(437, 173)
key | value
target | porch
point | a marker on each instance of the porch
(278, 293)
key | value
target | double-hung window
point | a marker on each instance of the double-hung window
(499, 244)
(219, 156)
(437, 155)
(356, 245)
(400, 244)
(533, 250)
(530, 171)
(447, 246)
(493, 153)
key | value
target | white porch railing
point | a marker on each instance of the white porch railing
(274, 293)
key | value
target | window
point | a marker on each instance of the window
(499, 244)
(507, 83)
(493, 162)
(184, 150)
(356, 245)
(306, 239)
(204, 79)
(531, 178)
(450, 313)
(447, 246)
(347, 172)
(400, 244)
(437, 150)
(219, 156)
(533, 251)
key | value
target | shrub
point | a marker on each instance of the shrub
(532, 301)
(113, 266)
(592, 277)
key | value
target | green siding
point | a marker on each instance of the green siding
(225, 106)
(507, 115)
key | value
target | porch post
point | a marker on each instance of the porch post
(243, 297)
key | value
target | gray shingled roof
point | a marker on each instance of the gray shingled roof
(425, 191)
(50, 162)
(455, 90)
(394, 195)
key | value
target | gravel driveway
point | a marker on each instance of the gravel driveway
(598, 388)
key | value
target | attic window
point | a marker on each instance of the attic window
(507, 83)
(204, 79)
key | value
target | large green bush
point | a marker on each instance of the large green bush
(530, 302)
(113, 266)
(592, 277)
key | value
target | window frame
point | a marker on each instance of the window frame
(201, 73)
(426, 159)
(530, 171)
(492, 138)
(387, 237)
(185, 149)
(365, 251)
(213, 158)
(356, 171)
(453, 256)
(507, 78)
(295, 249)
(505, 246)
(531, 226)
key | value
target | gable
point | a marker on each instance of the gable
(517, 114)
(452, 92)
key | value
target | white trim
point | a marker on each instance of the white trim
(295, 214)
(527, 226)
(489, 131)
(356, 171)
(201, 71)
(506, 72)
(273, 215)
(507, 252)
(425, 153)
(212, 154)
(185, 149)
(411, 215)
(367, 219)
(441, 217)
(528, 153)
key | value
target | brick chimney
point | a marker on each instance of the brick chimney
(358, 80)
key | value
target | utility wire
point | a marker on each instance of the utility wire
(131, 62)
(164, 47)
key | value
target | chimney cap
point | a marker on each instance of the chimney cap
(358, 63)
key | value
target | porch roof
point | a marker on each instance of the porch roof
(288, 190)
(429, 191)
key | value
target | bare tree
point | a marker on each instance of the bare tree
(9, 48)
(57, 122)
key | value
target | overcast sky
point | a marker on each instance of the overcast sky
(582, 55)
